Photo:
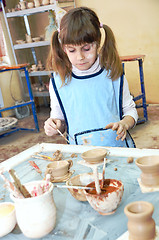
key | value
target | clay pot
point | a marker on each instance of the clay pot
(30, 4)
(149, 166)
(36, 216)
(141, 226)
(58, 169)
(37, 3)
(45, 2)
(22, 5)
(110, 197)
(28, 38)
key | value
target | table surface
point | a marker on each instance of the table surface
(78, 220)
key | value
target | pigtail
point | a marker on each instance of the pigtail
(57, 60)
(109, 57)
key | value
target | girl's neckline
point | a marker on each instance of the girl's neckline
(88, 76)
(95, 68)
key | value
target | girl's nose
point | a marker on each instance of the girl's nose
(80, 55)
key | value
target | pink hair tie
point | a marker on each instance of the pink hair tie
(101, 25)
(58, 30)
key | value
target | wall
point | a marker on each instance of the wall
(135, 24)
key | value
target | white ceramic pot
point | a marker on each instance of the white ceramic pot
(7, 218)
(107, 202)
(36, 216)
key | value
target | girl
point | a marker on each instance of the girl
(89, 95)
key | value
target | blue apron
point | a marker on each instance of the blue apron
(88, 104)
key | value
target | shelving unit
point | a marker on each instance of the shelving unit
(32, 47)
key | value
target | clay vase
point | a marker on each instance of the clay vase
(45, 2)
(141, 226)
(37, 3)
(36, 216)
(149, 165)
(22, 5)
(28, 38)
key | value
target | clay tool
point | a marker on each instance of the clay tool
(18, 184)
(10, 187)
(43, 157)
(74, 187)
(96, 179)
(62, 135)
(103, 173)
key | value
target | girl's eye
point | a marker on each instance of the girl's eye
(71, 50)
(87, 49)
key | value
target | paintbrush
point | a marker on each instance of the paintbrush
(18, 184)
(62, 135)
(74, 187)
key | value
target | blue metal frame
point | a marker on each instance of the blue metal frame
(31, 102)
(142, 95)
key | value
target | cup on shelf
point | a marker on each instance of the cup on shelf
(37, 3)
(30, 5)
(22, 5)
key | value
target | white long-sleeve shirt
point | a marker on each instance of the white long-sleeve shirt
(129, 108)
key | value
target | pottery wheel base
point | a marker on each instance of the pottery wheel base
(125, 236)
(145, 189)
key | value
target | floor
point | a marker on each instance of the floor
(145, 135)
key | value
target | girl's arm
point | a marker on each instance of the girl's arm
(56, 120)
(51, 125)
(130, 115)
(121, 127)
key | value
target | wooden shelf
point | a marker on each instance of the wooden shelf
(40, 9)
(30, 45)
(39, 94)
(37, 73)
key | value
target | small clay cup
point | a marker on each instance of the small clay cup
(149, 165)
(58, 169)
(141, 226)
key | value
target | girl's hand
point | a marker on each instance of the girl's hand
(51, 125)
(120, 129)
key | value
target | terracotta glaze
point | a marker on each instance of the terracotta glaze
(141, 225)
(80, 180)
(149, 165)
(110, 197)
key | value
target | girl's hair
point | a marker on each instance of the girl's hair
(78, 26)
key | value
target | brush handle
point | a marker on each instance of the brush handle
(73, 187)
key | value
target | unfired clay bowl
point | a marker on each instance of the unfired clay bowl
(149, 165)
(95, 155)
(107, 202)
(7, 218)
(80, 180)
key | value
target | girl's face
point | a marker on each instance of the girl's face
(82, 56)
